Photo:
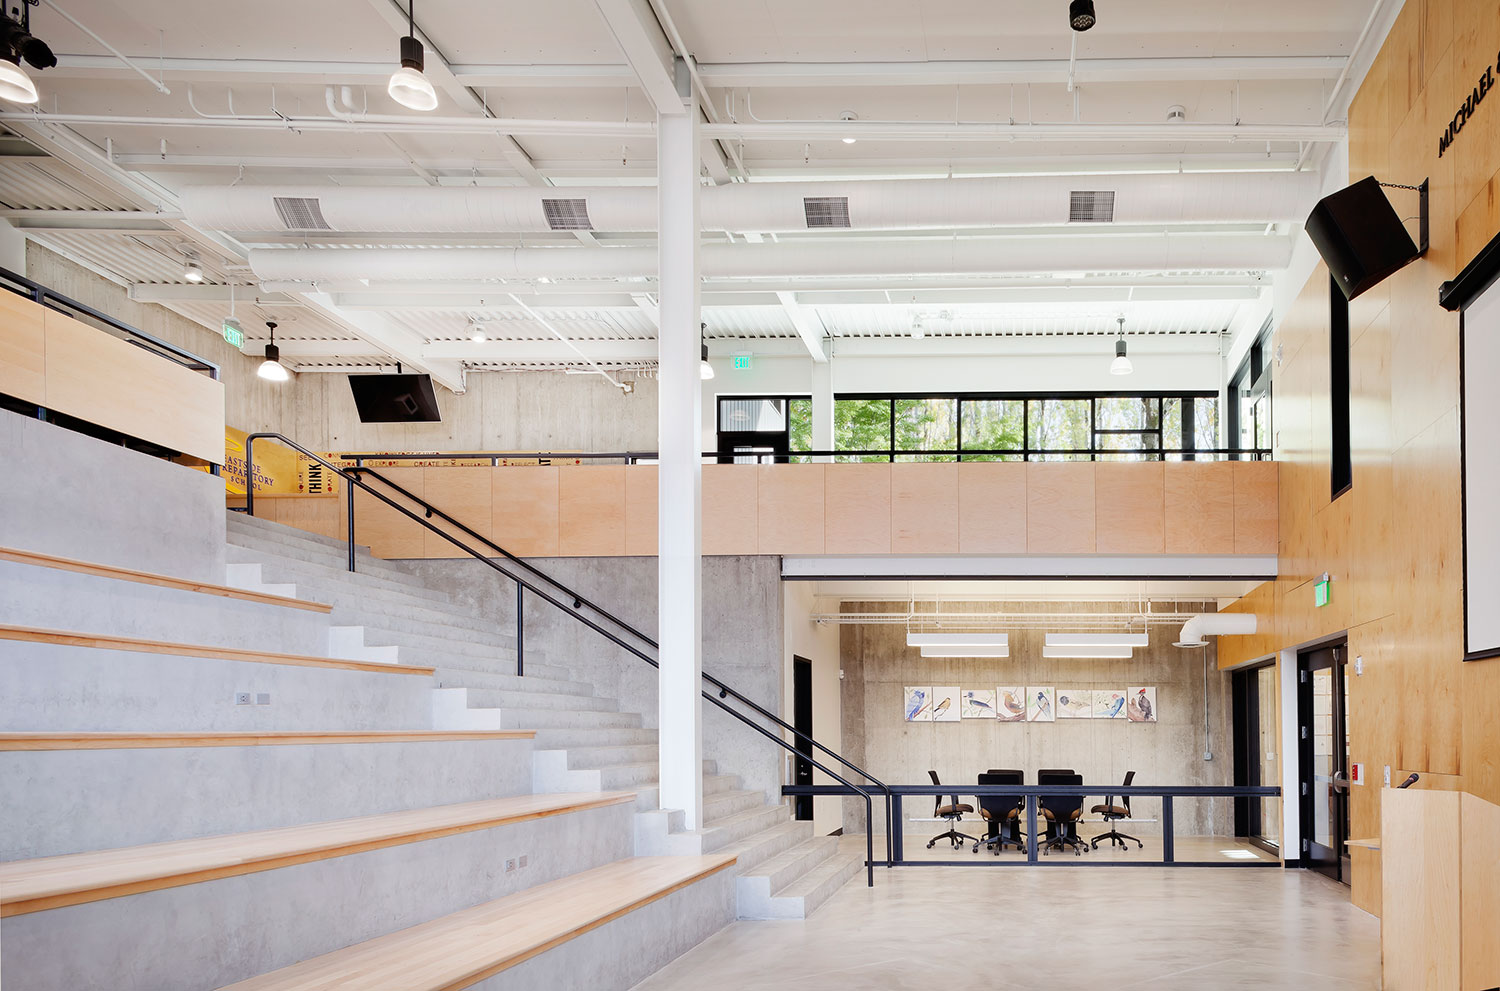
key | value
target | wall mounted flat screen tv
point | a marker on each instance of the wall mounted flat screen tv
(394, 398)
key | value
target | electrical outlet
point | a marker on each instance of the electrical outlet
(523, 860)
(264, 698)
(1208, 755)
(242, 698)
(510, 865)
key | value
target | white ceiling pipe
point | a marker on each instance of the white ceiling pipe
(774, 207)
(1132, 253)
(1215, 624)
(1189, 131)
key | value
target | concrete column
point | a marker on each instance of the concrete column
(822, 407)
(679, 478)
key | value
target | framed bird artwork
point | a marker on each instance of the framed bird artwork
(1140, 705)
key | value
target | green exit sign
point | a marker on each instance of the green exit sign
(233, 333)
(1320, 593)
(742, 361)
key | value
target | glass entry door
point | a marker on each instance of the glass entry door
(1324, 739)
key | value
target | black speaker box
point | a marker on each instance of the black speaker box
(1359, 236)
(394, 398)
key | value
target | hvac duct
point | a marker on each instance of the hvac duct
(787, 259)
(1214, 624)
(766, 207)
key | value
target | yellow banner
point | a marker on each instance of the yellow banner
(278, 470)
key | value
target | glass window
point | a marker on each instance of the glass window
(799, 424)
(1059, 425)
(926, 425)
(1206, 426)
(1127, 413)
(862, 425)
(994, 425)
(760, 415)
(1171, 427)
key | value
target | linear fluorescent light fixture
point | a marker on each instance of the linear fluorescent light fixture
(1121, 653)
(1097, 640)
(958, 640)
(1000, 651)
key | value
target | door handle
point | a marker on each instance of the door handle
(1340, 782)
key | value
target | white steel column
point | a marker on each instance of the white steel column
(679, 478)
(822, 407)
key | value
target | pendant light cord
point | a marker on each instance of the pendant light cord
(411, 19)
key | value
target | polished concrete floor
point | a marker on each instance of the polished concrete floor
(955, 928)
(1185, 848)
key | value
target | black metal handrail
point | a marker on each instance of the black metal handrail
(1018, 453)
(22, 286)
(353, 481)
(1031, 793)
(579, 600)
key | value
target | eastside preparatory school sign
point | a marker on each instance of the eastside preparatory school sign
(1467, 108)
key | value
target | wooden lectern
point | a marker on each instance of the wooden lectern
(1440, 891)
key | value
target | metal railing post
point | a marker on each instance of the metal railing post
(1031, 828)
(250, 475)
(1168, 841)
(349, 511)
(520, 630)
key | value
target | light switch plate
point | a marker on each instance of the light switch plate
(1359, 664)
(1388, 775)
(243, 698)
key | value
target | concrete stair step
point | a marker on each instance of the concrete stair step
(597, 757)
(812, 889)
(564, 738)
(727, 803)
(539, 719)
(391, 630)
(730, 830)
(793, 863)
(490, 698)
(457, 677)
(280, 545)
(328, 582)
(759, 847)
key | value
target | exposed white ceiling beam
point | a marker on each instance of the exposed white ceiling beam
(148, 292)
(395, 339)
(740, 74)
(311, 348)
(809, 326)
(646, 49)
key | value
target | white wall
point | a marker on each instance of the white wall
(820, 645)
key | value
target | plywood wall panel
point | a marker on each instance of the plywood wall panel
(388, 533)
(992, 508)
(1420, 933)
(924, 509)
(857, 508)
(23, 349)
(1130, 506)
(1200, 507)
(1260, 602)
(641, 498)
(103, 380)
(1061, 508)
(591, 511)
(523, 508)
(1479, 902)
(790, 511)
(1255, 514)
(731, 509)
(464, 494)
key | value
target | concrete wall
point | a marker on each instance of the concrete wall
(500, 411)
(820, 645)
(878, 665)
(743, 642)
(72, 495)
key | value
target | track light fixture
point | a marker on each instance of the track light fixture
(272, 370)
(1081, 14)
(705, 370)
(1121, 365)
(408, 86)
(17, 43)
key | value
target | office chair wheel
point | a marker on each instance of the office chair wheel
(931, 842)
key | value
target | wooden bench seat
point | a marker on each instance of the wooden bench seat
(461, 949)
(149, 578)
(52, 882)
(105, 641)
(157, 741)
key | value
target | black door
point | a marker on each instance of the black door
(1322, 702)
(802, 719)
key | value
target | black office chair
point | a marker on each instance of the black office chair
(953, 814)
(1062, 813)
(1002, 812)
(1112, 813)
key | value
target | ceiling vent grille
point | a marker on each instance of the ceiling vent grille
(300, 213)
(567, 215)
(1095, 206)
(826, 211)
